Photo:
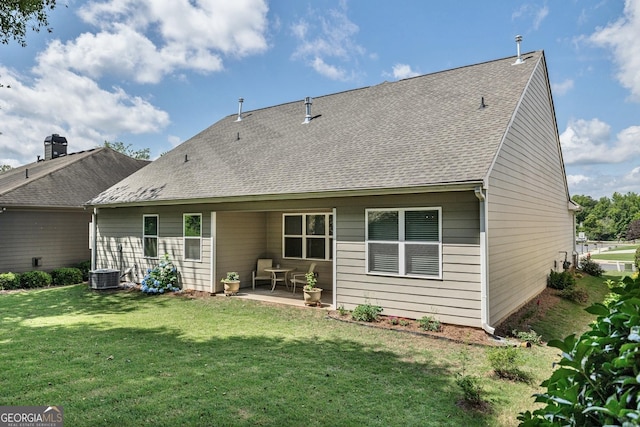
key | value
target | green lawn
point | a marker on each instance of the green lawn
(615, 256)
(129, 359)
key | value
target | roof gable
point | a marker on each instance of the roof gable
(423, 131)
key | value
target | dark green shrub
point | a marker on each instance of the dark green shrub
(35, 279)
(575, 294)
(598, 380)
(637, 258)
(506, 363)
(9, 281)
(560, 280)
(591, 267)
(84, 267)
(366, 312)
(430, 323)
(66, 276)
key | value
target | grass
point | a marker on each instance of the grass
(627, 257)
(129, 359)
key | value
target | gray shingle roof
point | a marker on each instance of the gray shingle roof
(422, 131)
(65, 182)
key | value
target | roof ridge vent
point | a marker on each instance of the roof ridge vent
(519, 60)
(307, 104)
(240, 101)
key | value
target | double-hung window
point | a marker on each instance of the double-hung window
(150, 236)
(192, 233)
(404, 242)
(308, 236)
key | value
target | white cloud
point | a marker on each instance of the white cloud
(589, 142)
(326, 42)
(573, 180)
(563, 87)
(622, 38)
(600, 184)
(174, 140)
(403, 71)
(528, 11)
(136, 40)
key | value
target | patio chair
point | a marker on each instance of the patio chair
(300, 279)
(259, 273)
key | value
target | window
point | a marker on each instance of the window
(308, 236)
(192, 232)
(150, 236)
(404, 242)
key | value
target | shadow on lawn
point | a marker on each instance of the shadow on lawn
(67, 300)
(154, 375)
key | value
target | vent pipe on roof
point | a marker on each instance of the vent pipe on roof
(518, 40)
(307, 104)
(240, 101)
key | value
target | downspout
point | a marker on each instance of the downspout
(94, 238)
(334, 273)
(484, 287)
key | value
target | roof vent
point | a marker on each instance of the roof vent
(240, 101)
(519, 60)
(307, 104)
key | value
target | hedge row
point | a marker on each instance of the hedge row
(40, 279)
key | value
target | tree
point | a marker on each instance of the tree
(633, 232)
(17, 15)
(4, 168)
(141, 154)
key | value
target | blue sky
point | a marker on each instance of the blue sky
(153, 73)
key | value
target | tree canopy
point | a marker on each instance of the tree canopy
(608, 218)
(141, 154)
(4, 168)
(18, 16)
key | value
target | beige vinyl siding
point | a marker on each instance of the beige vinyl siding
(123, 226)
(60, 238)
(454, 299)
(528, 216)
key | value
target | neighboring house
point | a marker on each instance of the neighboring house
(441, 194)
(43, 222)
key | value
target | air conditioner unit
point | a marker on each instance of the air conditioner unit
(104, 278)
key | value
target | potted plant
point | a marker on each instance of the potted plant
(231, 283)
(312, 294)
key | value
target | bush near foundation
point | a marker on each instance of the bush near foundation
(66, 276)
(35, 279)
(9, 281)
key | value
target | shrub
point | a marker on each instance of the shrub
(343, 311)
(591, 267)
(637, 258)
(506, 363)
(471, 388)
(84, 267)
(560, 280)
(430, 323)
(9, 281)
(66, 276)
(161, 279)
(597, 381)
(575, 294)
(531, 336)
(35, 279)
(366, 312)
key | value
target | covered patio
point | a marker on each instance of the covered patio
(282, 296)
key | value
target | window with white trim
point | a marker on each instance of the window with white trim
(150, 236)
(307, 236)
(404, 242)
(192, 234)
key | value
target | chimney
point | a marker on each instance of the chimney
(307, 104)
(519, 59)
(240, 101)
(55, 146)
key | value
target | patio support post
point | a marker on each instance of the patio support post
(484, 289)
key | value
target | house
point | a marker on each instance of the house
(443, 194)
(43, 222)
